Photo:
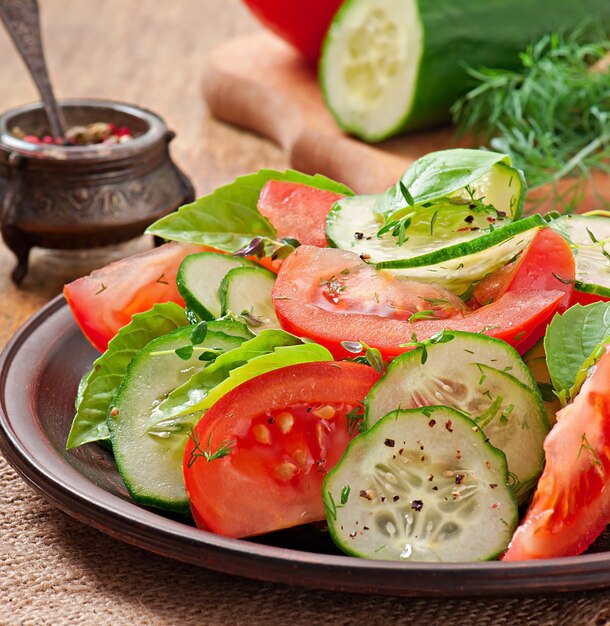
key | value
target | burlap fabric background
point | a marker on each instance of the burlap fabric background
(54, 571)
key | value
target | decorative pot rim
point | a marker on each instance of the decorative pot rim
(156, 130)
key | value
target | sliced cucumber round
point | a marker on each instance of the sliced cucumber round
(490, 201)
(483, 378)
(150, 466)
(421, 485)
(444, 243)
(199, 278)
(459, 266)
(589, 238)
(246, 293)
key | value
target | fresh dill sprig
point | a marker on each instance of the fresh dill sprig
(552, 115)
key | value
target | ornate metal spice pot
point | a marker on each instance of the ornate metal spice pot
(79, 197)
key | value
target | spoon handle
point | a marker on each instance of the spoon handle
(22, 21)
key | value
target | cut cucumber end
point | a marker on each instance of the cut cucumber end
(199, 278)
(246, 293)
(369, 66)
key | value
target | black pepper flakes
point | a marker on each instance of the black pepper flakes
(432, 423)
(390, 443)
(395, 498)
(449, 425)
(493, 485)
(459, 479)
(469, 219)
(358, 235)
(417, 505)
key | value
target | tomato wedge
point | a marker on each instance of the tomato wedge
(297, 210)
(547, 264)
(281, 432)
(313, 299)
(571, 505)
(105, 300)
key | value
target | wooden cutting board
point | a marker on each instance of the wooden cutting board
(258, 82)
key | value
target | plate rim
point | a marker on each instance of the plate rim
(92, 505)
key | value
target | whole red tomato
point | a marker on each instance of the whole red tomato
(302, 24)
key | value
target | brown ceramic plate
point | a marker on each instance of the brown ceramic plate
(39, 374)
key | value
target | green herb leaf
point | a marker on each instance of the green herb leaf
(547, 114)
(100, 385)
(571, 339)
(436, 175)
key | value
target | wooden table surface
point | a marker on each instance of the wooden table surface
(54, 570)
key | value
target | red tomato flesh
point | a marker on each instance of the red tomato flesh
(297, 210)
(547, 264)
(571, 505)
(584, 298)
(331, 296)
(106, 299)
(301, 24)
(288, 428)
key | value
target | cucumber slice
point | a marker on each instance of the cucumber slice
(150, 467)
(483, 378)
(421, 485)
(353, 222)
(246, 292)
(459, 266)
(535, 360)
(394, 65)
(589, 237)
(199, 278)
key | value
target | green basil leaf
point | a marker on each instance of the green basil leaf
(437, 175)
(571, 339)
(228, 218)
(99, 386)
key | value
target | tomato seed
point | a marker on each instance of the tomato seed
(285, 421)
(326, 412)
(285, 470)
(262, 434)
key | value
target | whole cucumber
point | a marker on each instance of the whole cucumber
(390, 66)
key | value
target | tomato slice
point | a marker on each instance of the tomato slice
(283, 430)
(297, 210)
(571, 505)
(547, 264)
(313, 299)
(105, 300)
